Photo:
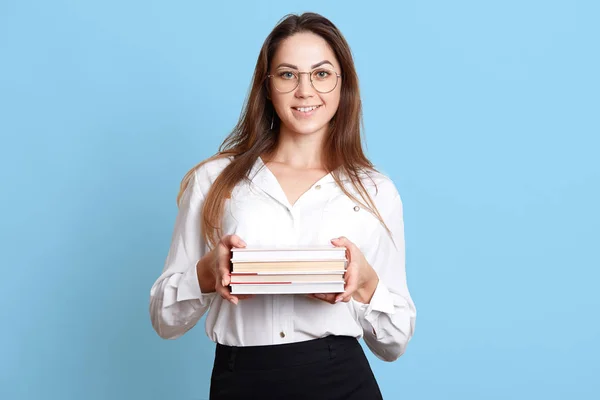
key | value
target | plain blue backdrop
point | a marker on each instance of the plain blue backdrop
(484, 113)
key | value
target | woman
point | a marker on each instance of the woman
(292, 173)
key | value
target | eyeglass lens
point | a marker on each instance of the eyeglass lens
(323, 80)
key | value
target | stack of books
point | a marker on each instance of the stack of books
(288, 271)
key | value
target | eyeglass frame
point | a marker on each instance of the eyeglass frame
(337, 79)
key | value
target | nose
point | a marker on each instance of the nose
(304, 88)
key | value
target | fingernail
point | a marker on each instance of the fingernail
(242, 243)
(234, 300)
(223, 283)
(320, 296)
(338, 299)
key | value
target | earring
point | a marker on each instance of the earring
(272, 120)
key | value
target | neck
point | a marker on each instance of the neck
(299, 150)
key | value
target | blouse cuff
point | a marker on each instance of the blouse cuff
(188, 287)
(381, 302)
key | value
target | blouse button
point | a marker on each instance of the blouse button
(318, 187)
(356, 208)
(282, 334)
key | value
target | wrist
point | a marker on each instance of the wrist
(205, 273)
(365, 292)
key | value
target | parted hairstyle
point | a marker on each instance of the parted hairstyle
(253, 136)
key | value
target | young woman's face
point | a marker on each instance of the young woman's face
(304, 109)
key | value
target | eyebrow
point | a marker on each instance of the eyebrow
(311, 67)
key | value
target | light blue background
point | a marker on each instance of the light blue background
(485, 114)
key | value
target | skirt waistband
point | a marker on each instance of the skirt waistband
(283, 355)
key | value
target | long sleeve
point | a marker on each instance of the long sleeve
(388, 321)
(176, 301)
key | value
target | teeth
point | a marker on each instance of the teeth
(305, 109)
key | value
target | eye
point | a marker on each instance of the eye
(286, 75)
(321, 74)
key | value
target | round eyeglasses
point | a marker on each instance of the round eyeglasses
(323, 80)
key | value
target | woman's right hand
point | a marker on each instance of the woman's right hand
(221, 267)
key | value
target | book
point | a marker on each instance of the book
(288, 288)
(325, 253)
(289, 266)
(286, 277)
(297, 270)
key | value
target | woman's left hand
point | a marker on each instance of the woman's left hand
(361, 279)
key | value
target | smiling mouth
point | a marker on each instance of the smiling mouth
(306, 109)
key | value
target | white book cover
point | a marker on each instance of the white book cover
(285, 278)
(324, 253)
(289, 288)
(341, 271)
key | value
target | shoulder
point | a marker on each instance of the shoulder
(379, 182)
(383, 191)
(206, 172)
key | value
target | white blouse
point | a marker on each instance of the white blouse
(260, 213)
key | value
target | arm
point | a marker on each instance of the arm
(385, 309)
(182, 293)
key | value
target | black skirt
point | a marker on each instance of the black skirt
(331, 368)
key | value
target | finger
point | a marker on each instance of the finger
(226, 294)
(351, 248)
(224, 254)
(230, 241)
(223, 278)
(223, 271)
(343, 241)
(350, 276)
(226, 243)
(314, 296)
(326, 297)
(351, 287)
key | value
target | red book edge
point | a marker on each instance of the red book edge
(261, 283)
(288, 272)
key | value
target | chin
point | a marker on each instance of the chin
(306, 129)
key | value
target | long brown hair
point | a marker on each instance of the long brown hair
(253, 137)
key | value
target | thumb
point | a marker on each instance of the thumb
(236, 241)
(340, 241)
